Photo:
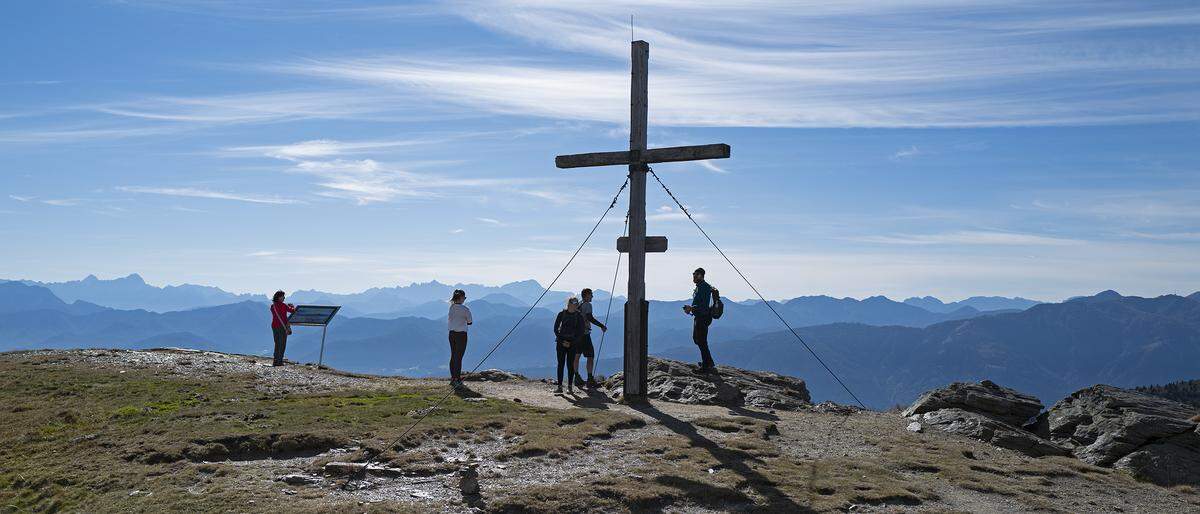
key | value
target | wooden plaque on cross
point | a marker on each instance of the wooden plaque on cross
(638, 157)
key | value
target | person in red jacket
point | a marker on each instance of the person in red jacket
(279, 325)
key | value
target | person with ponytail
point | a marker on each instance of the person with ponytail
(457, 320)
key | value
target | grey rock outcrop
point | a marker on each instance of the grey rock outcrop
(1151, 437)
(493, 375)
(987, 412)
(730, 387)
(998, 433)
(985, 398)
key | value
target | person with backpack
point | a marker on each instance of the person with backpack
(457, 320)
(568, 330)
(585, 348)
(702, 315)
(280, 327)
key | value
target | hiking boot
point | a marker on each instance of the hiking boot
(591, 383)
(579, 382)
(558, 390)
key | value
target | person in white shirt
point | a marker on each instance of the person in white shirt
(458, 320)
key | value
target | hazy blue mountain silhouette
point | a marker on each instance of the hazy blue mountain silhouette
(418, 297)
(979, 303)
(427, 299)
(32, 318)
(1049, 350)
(131, 292)
(20, 297)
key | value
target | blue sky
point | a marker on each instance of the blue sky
(899, 148)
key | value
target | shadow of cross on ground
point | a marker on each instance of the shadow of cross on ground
(733, 460)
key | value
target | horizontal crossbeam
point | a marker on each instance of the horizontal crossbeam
(669, 154)
(654, 244)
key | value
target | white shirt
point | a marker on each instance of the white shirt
(585, 308)
(459, 317)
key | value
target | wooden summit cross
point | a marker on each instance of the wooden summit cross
(637, 244)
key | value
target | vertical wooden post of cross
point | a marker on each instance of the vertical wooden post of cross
(636, 346)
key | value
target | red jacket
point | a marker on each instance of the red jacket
(279, 311)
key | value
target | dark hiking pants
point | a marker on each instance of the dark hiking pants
(700, 337)
(280, 334)
(458, 348)
(566, 357)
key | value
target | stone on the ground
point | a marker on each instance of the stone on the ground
(493, 375)
(345, 468)
(297, 479)
(915, 427)
(1152, 437)
(468, 480)
(985, 398)
(679, 382)
(988, 430)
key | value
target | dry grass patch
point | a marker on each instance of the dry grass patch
(153, 434)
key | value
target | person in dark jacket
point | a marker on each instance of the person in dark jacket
(568, 332)
(702, 317)
(279, 325)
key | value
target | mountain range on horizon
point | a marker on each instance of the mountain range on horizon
(889, 351)
(132, 292)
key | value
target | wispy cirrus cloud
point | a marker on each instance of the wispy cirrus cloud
(905, 153)
(710, 166)
(63, 202)
(266, 107)
(368, 180)
(968, 237)
(668, 213)
(294, 257)
(191, 192)
(803, 64)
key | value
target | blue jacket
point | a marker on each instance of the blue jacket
(700, 298)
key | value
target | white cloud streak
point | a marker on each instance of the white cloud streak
(367, 181)
(968, 237)
(710, 166)
(906, 153)
(804, 64)
(204, 193)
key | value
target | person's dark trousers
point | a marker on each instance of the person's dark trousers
(700, 337)
(458, 348)
(280, 344)
(566, 357)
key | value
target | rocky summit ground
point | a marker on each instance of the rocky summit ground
(179, 430)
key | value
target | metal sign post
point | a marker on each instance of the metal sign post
(315, 316)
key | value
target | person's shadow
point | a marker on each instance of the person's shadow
(715, 378)
(592, 399)
(733, 460)
(465, 391)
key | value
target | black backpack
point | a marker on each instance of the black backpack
(718, 307)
